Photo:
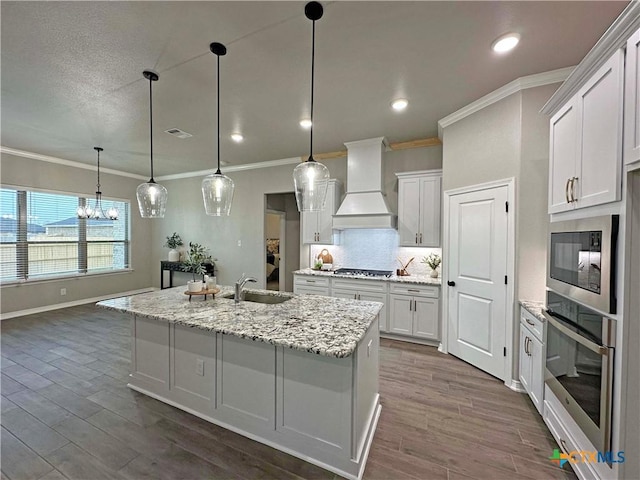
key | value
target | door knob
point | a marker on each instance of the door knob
(451, 283)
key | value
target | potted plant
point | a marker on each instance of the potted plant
(194, 264)
(433, 261)
(173, 242)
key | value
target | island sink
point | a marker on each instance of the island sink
(260, 298)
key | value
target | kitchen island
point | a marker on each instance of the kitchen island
(296, 372)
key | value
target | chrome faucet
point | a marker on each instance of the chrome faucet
(239, 296)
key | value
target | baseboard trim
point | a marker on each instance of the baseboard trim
(402, 338)
(75, 303)
(515, 385)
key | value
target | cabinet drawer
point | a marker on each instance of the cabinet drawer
(309, 290)
(311, 280)
(414, 290)
(360, 285)
(532, 323)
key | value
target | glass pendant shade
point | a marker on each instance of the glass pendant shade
(217, 193)
(310, 180)
(152, 199)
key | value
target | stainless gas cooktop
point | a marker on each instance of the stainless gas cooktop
(363, 272)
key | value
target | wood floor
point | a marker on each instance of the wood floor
(67, 413)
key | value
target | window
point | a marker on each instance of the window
(41, 236)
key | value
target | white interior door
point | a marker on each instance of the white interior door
(477, 266)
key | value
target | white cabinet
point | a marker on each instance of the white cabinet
(419, 208)
(317, 227)
(532, 357)
(632, 101)
(368, 290)
(586, 142)
(414, 310)
(311, 284)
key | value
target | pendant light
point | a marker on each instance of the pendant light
(217, 189)
(97, 212)
(152, 197)
(311, 178)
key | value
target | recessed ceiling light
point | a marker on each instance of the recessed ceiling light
(237, 137)
(505, 43)
(399, 104)
(305, 123)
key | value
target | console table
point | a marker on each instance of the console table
(167, 266)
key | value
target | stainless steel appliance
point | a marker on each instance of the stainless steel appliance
(361, 272)
(582, 260)
(579, 365)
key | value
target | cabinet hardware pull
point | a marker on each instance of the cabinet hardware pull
(573, 189)
(413, 290)
(410, 305)
(416, 238)
(525, 345)
(530, 322)
(415, 306)
(564, 445)
(420, 238)
(358, 296)
(566, 190)
(311, 281)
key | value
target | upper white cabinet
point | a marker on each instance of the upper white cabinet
(317, 227)
(586, 142)
(419, 208)
(632, 101)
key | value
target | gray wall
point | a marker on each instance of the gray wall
(509, 138)
(185, 213)
(24, 172)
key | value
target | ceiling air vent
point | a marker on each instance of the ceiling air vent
(176, 132)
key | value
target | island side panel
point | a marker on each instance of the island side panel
(150, 354)
(245, 386)
(366, 400)
(192, 379)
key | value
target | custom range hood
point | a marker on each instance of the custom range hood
(364, 206)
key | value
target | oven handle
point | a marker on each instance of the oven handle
(594, 347)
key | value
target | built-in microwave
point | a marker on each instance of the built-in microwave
(582, 260)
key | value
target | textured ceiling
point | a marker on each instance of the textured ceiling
(72, 72)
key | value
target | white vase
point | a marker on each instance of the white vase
(434, 274)
(174, 255)
(194, 285)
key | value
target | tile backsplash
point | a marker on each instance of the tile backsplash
(374, 249)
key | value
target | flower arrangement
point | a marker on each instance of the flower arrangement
(433, 261)
(174, 241)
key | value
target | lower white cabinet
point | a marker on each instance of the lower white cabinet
(368, 290)
(414, 310)
(532, 357)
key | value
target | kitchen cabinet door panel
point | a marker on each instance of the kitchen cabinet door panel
(632, 101)
(429, 233)
(409, 212)
(426, 321)
(317, 227)
(525, 362)
(562, 157)
(309, 227)
(600, 110)
(537, 373)
(379, 297)
(400, 315)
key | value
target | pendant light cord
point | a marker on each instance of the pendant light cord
(151, 126)
(98, 185)
(313, 63)
(218, 172)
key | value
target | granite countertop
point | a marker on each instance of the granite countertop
(417, 279)
(534, 308)
(323, 325)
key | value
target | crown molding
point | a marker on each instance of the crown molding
(614, 38)
(67, 163)
(517, 85)
(232, 168)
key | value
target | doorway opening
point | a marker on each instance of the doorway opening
(281, 240)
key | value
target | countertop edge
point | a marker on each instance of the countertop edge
(534, 308)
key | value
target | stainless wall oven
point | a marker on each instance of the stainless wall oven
(582, 260)
(579, 365)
